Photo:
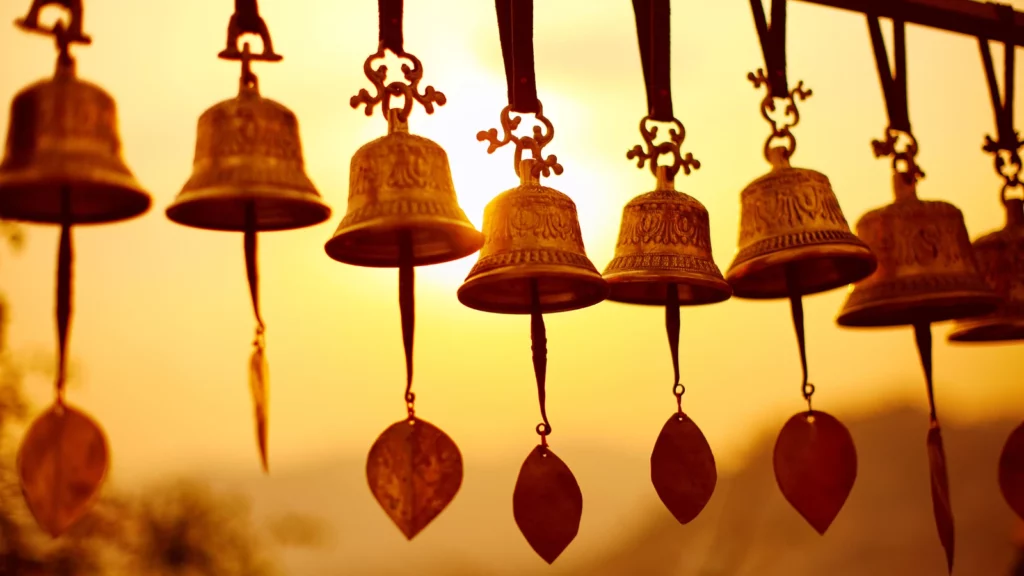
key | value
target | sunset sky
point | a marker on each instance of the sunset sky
(162, 327)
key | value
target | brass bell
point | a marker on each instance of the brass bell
(665, 239)
(794, 239)
(248, 157)
(926, 269)
(998, 257)
(400, 186)
(63, 137)
(532, 233)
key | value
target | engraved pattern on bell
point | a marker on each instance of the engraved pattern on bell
(926, 269)
(401, 185)
(63, 135)
(665, 238)
(532, 233)
(999, 260)
(248, 153)
(790, 219)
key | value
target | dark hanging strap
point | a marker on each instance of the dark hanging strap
(672, 327)
(515, 27)
(407, 306)
(391, 25)
(539, 340)
(653, 32)
(773, 44)
(894, 86)
(923, 336)
(65, 259)
(250, 266)
(1002, 105)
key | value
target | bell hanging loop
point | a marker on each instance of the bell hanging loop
(63, 136)
(533, 242)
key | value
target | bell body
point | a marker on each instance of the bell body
(926, 269)
(665, 240)
(1000, 259)
(63, 138)
(400, 188)
(532, 238)
(794, 239)
(248, 170)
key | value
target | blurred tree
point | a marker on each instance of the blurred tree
(184, 529)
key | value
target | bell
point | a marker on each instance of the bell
(63, 138)
(998, 258)
(248, 157)
(665, 239)
(532, 236)
(926, 270)
(794, 239)
(400, 186)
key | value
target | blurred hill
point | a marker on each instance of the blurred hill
(886, 527)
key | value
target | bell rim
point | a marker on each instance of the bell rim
(334, 247)
(545, 271)
(313, 204)
(978, 303)
(855, 252)
(993, 329)
(133, 202)
(618, 281)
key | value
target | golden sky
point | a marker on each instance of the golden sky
(162, 326)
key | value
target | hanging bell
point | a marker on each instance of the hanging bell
(63, 137)
(794, 239)
(248, 157)
(400, 186)
(665, 239)
(999, 261)
(532, 233)
(926, 269)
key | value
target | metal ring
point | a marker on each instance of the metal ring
(543, 429)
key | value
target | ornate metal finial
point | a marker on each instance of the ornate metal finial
(783, 129)
(676, 136)
(535, 144)
(65, 33)
(247, 20)
(906, 155)
(407, 90)
(1007, 160)
(248, 81)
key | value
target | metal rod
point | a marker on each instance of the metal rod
(961, 16)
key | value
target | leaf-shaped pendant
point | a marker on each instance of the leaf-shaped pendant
(815, 466)
(259, 385)
(940, 493)
(414, 470)
(62, 462)
(1011, 471)
(547, 503)
(683, 468)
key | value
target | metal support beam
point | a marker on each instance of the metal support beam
(961, 16)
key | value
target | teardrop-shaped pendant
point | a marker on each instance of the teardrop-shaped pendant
(1011, 471)
(815, 466)
(941, 506)
(683, 468)
(547, 503)
(414, 471)
(62, 463)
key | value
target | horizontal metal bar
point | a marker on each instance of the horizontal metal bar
(962, 16)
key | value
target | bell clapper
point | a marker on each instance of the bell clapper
(797, 308)
(407, 307)
(258, 372)
(539, 345)
(672, 327)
